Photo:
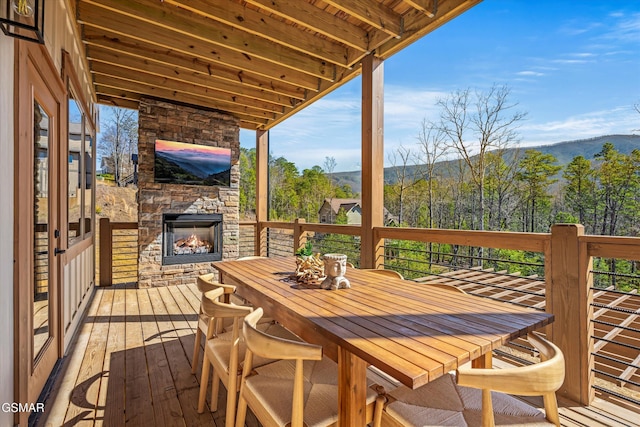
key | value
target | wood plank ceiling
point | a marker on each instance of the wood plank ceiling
(258, 60)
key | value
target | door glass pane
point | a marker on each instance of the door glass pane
(74, 170)
(41, 233)
(88, 165)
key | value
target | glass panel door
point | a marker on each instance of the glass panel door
(41, 162)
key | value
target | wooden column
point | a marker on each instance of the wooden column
(299, 237)
(569, 298)
(372, 159)
(262, 190)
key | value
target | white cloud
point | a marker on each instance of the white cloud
(620, 120)
(530, 73)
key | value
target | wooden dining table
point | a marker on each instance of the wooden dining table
(409, 330)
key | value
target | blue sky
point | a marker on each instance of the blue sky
(573, 66)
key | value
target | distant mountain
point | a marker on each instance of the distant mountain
(563, 151)
(167, 171)
(201, 167)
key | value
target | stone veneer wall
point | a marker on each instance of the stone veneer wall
(164, 120)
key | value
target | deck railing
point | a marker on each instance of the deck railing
(597, 321)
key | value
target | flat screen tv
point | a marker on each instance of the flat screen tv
(192, 164)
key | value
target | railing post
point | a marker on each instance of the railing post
(106, 252)
(261, 239)
(569, 297)
(299, 237)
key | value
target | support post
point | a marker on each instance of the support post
(262, 191)
(570, 298)
(372, 159)
(106, 252)
(299, 237)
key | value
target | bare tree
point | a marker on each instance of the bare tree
(407, 171)
(432, 141)
(119, 139)
(475, 124)
(329, 165)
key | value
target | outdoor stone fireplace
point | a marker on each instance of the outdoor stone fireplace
(183, 229)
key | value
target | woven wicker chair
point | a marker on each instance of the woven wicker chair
(205, 283)
(300, 389)
(445, 403)
(226, 351)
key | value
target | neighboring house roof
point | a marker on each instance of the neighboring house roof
(346, 204)
(350, 204)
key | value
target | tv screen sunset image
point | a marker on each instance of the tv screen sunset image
(191, 164)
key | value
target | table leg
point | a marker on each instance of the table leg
(352, 389)
(484, 361)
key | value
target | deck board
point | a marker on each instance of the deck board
(130, 364)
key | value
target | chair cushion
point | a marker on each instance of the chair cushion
(444, 403)
(273, 386)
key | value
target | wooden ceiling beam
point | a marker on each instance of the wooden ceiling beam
(264, 26)
(210, 52)
(325, 88)
(150, 13)
(428, 7)
(111, 92)
(417, 25)
(162, 92)
(151, 80)
(315, 19)
(117, 102)
(120, 44)
(372, 13)
(120, 59)
(121, 98)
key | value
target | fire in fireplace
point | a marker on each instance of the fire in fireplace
(188, 238)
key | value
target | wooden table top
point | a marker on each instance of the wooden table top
(411, 331)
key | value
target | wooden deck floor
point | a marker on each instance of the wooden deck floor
(130, 364)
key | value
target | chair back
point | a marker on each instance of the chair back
(390, 273)
(445, 287)
(540, 379)
(268, 346)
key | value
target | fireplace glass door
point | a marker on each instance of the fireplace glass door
(189, 238)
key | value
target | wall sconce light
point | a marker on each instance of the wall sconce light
(23, 19)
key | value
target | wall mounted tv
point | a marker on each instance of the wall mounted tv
(192, 164)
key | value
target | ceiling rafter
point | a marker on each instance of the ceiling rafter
(428, 7)
(166, 39)
(121, 59)
(373, 13)
(237, 103)
(258, 117)
(173, 57)
(312, 18)
(275, 30)
(188, 25)
(261, 61)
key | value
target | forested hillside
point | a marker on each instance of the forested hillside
(563, 152)
(597, 184)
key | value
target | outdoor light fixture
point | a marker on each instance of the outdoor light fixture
(23, 19)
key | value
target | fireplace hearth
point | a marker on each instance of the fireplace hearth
(191, 238)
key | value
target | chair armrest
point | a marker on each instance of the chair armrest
(214, 308)
(265, 345)
(544, 377)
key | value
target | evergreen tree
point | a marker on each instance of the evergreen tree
(579, 190)
(535, 175)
